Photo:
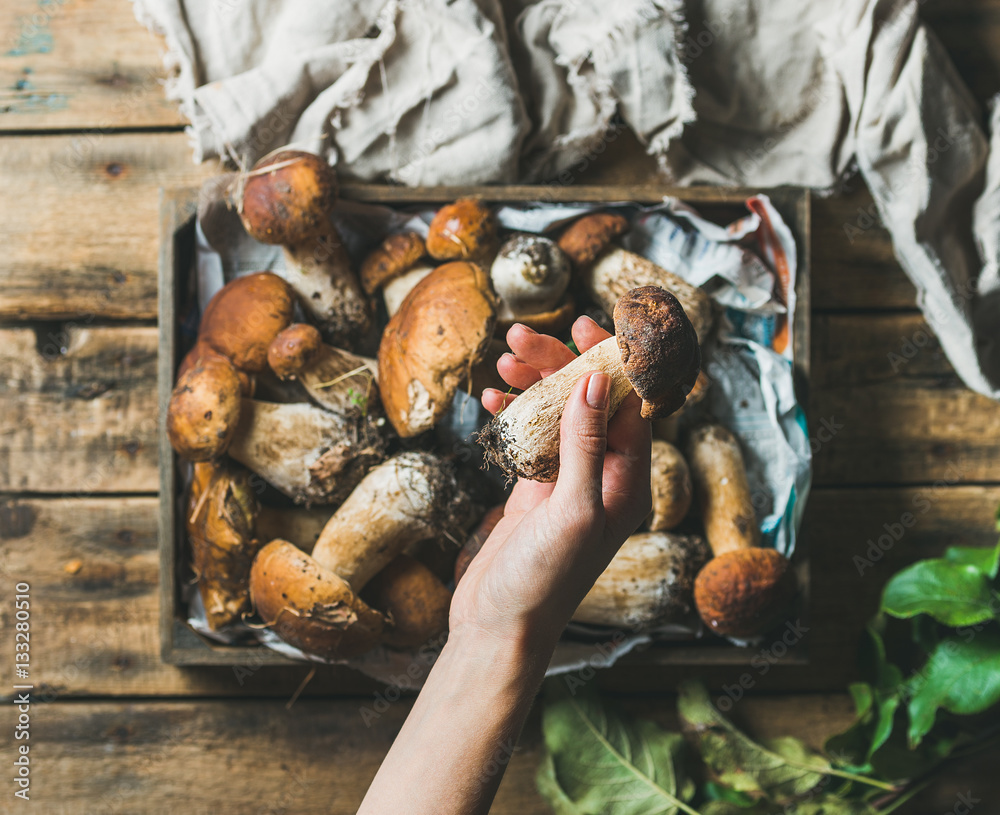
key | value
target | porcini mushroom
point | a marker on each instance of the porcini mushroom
(670, 480)
(648, 582)
(244, 316)
(335, 379)
(430, 345)
(464, 230)
(744, 589)
(395, 267)
(287, 199)
(608, 271)
(201, 351)
(530, 275)
(655, 351)
(308, 453)
(414, 600)
(204, 409)
(220, 522)
(313, 601)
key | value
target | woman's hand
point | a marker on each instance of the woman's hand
(555, 539)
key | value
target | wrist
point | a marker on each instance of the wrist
(521, 650)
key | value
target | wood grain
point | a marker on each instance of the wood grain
(81, 235)
(92, 564)
(80, 65)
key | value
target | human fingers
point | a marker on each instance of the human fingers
(587, 333)
(583, 441)
(628, 433)
(494, 401)
(516, 372)
(544, 353)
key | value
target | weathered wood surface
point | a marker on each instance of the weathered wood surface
(82, 65)
(80, 410)
(146, 758)
(92, 564)
(80, 222)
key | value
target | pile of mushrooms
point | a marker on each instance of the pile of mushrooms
(317, 505)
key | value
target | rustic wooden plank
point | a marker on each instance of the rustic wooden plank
(92, 565)
(320, 756)
(76, 65)
(81, 235)
(79, 409)
(886, 407)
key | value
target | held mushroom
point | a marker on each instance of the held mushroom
(671, 486)
(337, 380)
(655, 351)
(287, 199)
(310, 454)
(464, 230)
(431, 344)
(648, 582)
(220, 519)
(530, 275)
(395, 267)
(608, 271)
(414, 600)
(313, 601)
(744, 589)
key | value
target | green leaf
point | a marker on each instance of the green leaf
(864, 699)
(600, 763)
(883, 675)
(962, 676)
(822, 805)
(784, 770)
(717, 792)
(984, 558)
(925, 632)
(952, 593)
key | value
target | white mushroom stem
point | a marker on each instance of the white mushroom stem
(616, 271)
(394, 292)
(649, 581)
(406, 499)
(340, 381)
(310, 454)
(523, 438)
(320, 272)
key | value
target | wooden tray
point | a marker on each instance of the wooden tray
(180, 645)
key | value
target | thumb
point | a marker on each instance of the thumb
(583, 441)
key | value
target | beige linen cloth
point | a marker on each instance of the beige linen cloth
(732, 92)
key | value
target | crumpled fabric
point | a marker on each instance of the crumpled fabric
(730, 92)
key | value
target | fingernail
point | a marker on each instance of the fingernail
(598, 389)
(527, 328)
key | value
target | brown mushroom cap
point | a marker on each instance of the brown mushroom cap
(396, 255)
(659, 349)
(744, 592)
(204, 410)
(245, 316)
(414, 600)
(201, 350)
(310, 607)
(465, 230)
(292, 201)
(587, 237)
(293, 349)
(429, 346)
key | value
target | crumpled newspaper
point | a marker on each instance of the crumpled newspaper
(750, 364)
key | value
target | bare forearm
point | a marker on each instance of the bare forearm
(452, 751)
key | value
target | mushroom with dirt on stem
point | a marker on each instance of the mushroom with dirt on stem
(430, 346)
(287, 199)
(608, 271)
(313, 600)
(744, 589)
(655, 352)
